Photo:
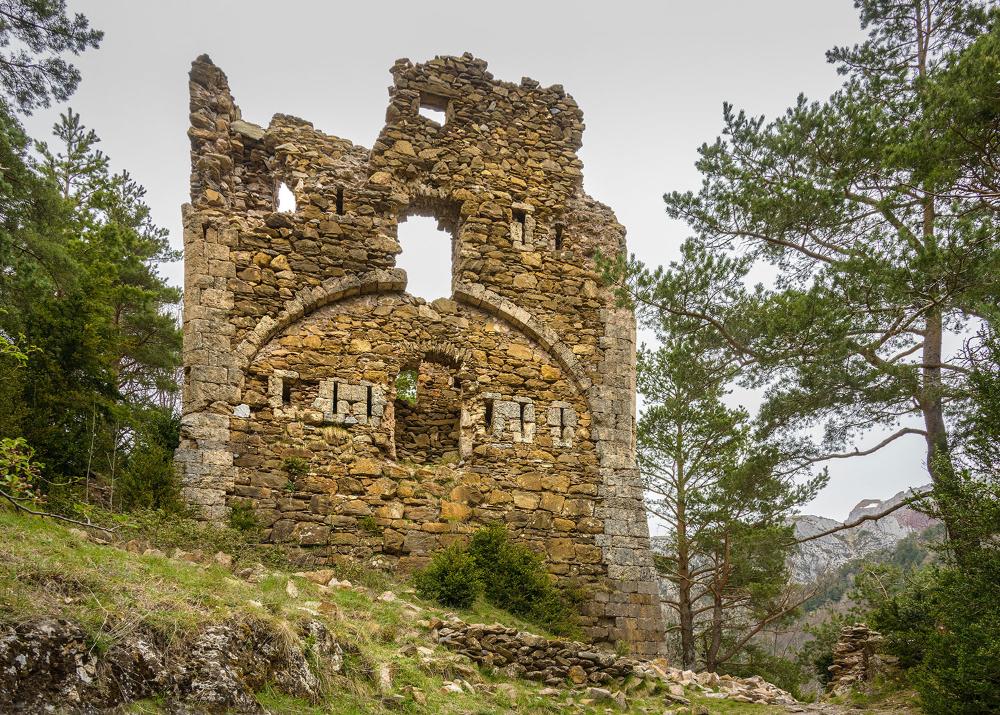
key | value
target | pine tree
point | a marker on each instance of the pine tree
(880, 257)
(37, 72)
(723, 500)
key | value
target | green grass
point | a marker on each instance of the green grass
(48, 571)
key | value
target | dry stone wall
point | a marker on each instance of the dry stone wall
(297, 325)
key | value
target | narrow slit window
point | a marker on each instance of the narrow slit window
(369, 406)
(524, 424)
(335, 396)
(340, 201)
(286, 392)
(521, 217)
(559, 237)
(286, 199)
(489, 414)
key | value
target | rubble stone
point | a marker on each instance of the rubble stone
(564, 662)
(855, 658)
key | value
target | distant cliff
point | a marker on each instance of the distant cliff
(815, 557)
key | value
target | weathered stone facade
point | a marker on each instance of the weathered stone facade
(297, 324)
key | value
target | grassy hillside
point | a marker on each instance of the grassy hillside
(390, 662)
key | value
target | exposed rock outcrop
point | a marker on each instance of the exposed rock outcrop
(815, 557)
(47, 665)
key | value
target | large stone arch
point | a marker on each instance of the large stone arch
(500, 307)
(309, 300)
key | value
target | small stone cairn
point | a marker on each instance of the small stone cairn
(557, 662)
(855, 658)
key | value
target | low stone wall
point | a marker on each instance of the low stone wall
(49, 665)
(558, 662)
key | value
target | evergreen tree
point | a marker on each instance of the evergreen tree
(879, 255)
(34, 71)
(102, 329)
(723, 500)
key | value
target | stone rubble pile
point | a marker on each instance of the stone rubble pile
(855, 658)
(556, 662)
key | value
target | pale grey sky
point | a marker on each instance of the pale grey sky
(650, 77)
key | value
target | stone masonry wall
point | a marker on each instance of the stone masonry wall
(297, 324)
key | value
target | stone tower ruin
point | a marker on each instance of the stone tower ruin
(297, 327)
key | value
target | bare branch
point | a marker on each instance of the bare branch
(21, 507)
(861, 520)
(861, 453)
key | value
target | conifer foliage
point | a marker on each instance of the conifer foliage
(88, 373)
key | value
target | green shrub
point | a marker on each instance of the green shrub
(242, 516)
(148, 479)
(19, 472)
(450, 578)
(516, 580)
(944, 626)
(295, 466)
(510, 575)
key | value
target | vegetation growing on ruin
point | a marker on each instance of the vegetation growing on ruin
(506, 574)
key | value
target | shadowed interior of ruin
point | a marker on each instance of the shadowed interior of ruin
(428, 418)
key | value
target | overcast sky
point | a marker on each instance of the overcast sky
(650, 77)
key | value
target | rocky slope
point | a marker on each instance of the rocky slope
(813, 558)
(96, 623)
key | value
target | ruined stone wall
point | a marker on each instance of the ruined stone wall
(297, 324)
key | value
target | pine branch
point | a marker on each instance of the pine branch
(862, 453)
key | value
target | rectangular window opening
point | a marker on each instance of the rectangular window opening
(286, 392)
(433, 107)
(489, 414)
(559, 237)
(340, 201)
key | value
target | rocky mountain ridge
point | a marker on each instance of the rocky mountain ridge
(813, 558)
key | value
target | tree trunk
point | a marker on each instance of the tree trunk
(715, 635)
(684, 606)
(686, 614)
(931, 401)
(947, 495)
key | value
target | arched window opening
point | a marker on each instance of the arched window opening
(286, 199)
(428, 410)
(406, 387)
(426, 257)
